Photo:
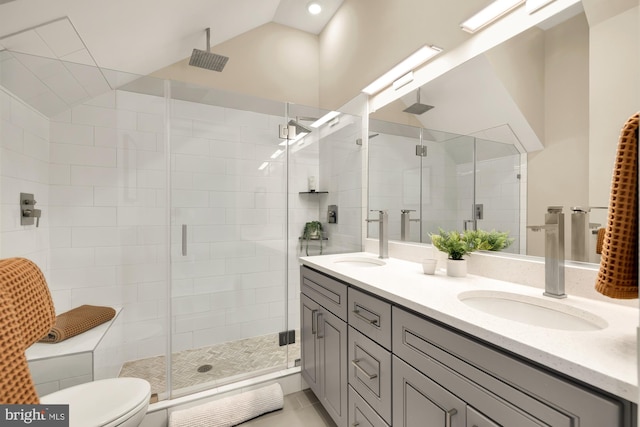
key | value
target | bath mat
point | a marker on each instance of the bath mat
(77, 321)
(232, 410)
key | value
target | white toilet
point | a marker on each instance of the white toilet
(111, 402)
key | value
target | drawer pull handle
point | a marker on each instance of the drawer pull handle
(318, 322)
(355, 362)
(448, 415)
(370, 321)
(314, 322)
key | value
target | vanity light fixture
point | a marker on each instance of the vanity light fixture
(314, 8)
(534, 5)
(324, 119)
(404, 80)
(495, 10)
(417, 58)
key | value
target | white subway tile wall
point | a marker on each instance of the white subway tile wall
(447, 186)
(98, 172)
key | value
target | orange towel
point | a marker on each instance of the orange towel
(600, 240)
(618, 275)
(77, 321)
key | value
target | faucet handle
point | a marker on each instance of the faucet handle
(404, 211)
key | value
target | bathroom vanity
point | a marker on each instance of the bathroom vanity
(385, 345)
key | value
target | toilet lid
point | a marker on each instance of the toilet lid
(103, 402)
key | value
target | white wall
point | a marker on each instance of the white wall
(108, 214)
(24, 163)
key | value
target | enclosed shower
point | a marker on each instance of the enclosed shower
(180, 205)
(429, 179)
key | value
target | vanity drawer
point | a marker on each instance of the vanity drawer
(482, 372)
(370, 372)
(361, 414)
(371, 316)
(326, 291)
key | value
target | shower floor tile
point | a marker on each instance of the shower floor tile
(229, 362)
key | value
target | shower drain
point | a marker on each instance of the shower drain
(204, 368)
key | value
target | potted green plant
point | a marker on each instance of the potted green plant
(456, 245)
(493, 240)
(312, 231)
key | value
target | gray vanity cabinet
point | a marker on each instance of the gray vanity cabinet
(324, 341)
(405, 369)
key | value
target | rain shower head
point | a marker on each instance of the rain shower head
(207, 60)
(299, 128)
(417, 107)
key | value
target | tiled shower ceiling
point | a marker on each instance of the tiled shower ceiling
(50, 68)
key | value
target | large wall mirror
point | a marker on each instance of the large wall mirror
(511, 131)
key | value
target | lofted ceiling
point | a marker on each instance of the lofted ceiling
(142, 36)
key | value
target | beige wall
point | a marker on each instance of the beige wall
(520, 65)
(559, 174)
(365, 38)
(614, 64)
(271, 62)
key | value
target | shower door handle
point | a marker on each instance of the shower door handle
(184, 239)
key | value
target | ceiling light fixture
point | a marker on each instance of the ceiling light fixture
(324, 119)
(314, 8)
(421, 56)
(534, 5)
(489, 14)
(402, 81)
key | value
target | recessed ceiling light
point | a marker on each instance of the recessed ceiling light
(489, 14)
(314, 8)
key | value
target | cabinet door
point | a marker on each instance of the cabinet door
(332, 338)
(310, 350)
(418, 401)
(361, 414)
(476, 419)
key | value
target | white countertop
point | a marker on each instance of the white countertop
(606, 358)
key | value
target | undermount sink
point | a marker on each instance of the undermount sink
(360, 262)
(534, 311)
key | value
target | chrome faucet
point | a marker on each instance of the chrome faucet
(581, 230)
(383, 235)
(405, 223)
(553, 251)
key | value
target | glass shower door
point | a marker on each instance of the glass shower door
(228, 234)
(394, 178)
(498, 181)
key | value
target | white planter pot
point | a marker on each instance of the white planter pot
(456, 267)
